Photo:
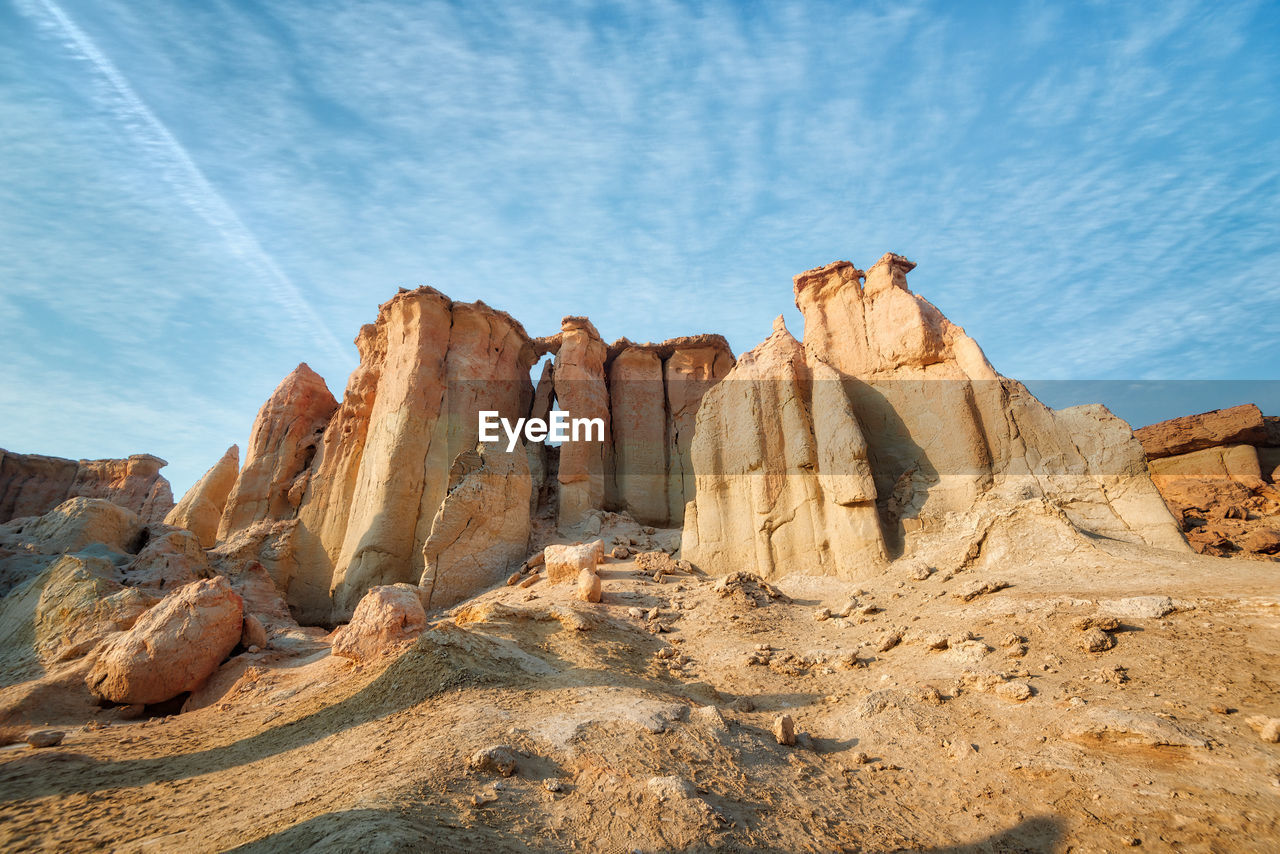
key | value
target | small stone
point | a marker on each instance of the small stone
(956, 640)
(935, 642)
(498, 759)
(1011, 640)
(822, 614)
(531, 580)
(514, 578)
(553, 785)
(784, 730)
(1268, 729)
(1220, 709)
(46, 738)
(635, 613)
(743, 704)
(1017, 691)
(1106, 624)
(620, 553)
(588, 586)
(653, 613)
(860, 758)
(974, 589)
(1096, 640)
(889, 641)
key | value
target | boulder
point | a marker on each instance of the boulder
(172, 558)
(201, 508)
(172, 648)
(81, 603)
(565, 563)
(588, 586)
(481, 531)
(253, 633)
(1239, 425)
(80, 522)
(386, 617)
(286, 434)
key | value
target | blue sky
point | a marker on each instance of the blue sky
(194, 197)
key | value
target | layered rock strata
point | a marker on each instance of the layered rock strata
(33, 484)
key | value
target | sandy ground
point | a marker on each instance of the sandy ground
(632, 734)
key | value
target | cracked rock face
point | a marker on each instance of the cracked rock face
(201, 508)
(33, 484)
(428, 366)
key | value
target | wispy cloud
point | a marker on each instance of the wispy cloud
(171, 161)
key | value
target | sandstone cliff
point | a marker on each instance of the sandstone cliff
(913, 418)
(202, 506)
(32, 484)
(428, 366)
(282, 444)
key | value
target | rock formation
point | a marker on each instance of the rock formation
(1217, 472)
(32, 485)
(655, 391)
(385, 617)
(201, 508)
(481, 531)
(172, 648)
(1239, 425)
(427, 367)
(580, 389)
(912, 417)
(283, 442)
(782, 478)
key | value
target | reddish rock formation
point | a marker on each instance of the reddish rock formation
(428, 366)
(201, 508)
(1239, 425)
(32, 485)
(1224, 494)
(283, 442)
(172, 648)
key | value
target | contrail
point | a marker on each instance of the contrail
(181, 172)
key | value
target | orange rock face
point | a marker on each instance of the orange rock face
(283, 442)
(201, 508)
(172, 648)
(580, 389)
(32, 484)
(428, 366)
(1239, 425)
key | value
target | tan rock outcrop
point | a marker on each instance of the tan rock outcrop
(565, 563)
(654, 391)
(80, 522)
(638, 411)
(135, 483)
(285, 436)
(171, 558)
(580, 389)
(481, 531)
(385, 618)
(1239, 425)
(694, 366)
(782, 481)
(81, 603)
(172, 648)
(944, 428)
(32, 484)
(428, 366)
(1220, 494)
(201, 507)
